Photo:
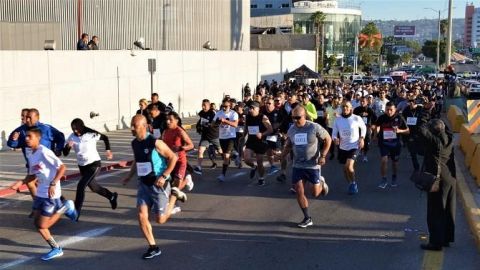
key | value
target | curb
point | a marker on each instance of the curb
(472, 212)
(119, 165)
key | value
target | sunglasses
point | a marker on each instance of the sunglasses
(269, 103)
(277, 100)
(296, 117)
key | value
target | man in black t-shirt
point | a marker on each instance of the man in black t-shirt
(208, 130)
(369, 118)
(388, 128)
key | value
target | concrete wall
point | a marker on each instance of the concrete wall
(28, 36)
(272, 21)
(68, 84)
(282, 42)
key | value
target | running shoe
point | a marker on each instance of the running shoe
(221, 178)
(292, 190)
(324, 186)
(282, 178)
(353, 189)
(197, 170)
(70, 210)
(273, 169)
(181, 196)
(394, 182)
(383, 184)
(189, 185)
(55, 252)
(252, 172)
(113, 200)
(306, 222)
(237, 161)
(261, 182)
(213, 166)
(176, 210)
(151, 252)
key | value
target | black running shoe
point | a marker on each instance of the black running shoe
(252, 172)
(151, 252)
(306, 222)
(214, 166)
(282, 178)
(261, 182)
(113, 200)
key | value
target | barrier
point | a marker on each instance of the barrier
(473, 116)
(475, 168)
(456, 118)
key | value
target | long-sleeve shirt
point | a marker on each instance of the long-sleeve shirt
(51, 138)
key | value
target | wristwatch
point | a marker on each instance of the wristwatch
(52, 184)
(165, 176)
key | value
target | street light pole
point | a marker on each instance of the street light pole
(438, 46)
(449, 33)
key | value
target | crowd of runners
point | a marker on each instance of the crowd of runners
(286, 124)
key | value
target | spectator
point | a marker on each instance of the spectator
(93, 44)
(82, 44)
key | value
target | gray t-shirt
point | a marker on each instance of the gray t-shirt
(305, 146)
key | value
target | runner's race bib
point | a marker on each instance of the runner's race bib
(253, 130)
(320, 113)
(204, 121)
(389, 134)
(156, 133)
(346, 134)
(144, 168)
(224, 131)
(412, 121)
(272, 138)
(301, 139)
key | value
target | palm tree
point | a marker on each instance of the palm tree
(318, 18)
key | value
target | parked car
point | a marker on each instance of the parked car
(473, 91)
(385, 79)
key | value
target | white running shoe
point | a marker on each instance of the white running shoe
(324, 186)
(189, 185)
(176, 210)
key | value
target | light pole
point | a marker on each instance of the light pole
(449, 33)
(438, 42)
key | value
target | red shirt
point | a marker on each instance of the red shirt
(173, 138)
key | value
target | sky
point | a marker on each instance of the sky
(409, 9)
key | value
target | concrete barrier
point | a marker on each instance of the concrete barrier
(475, 168)
(456, 118)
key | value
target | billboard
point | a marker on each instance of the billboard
(404, 31)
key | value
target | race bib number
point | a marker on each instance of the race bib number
(365, 120)
(320, 113)
(224, 130)
(346, 134)
(156, 133)
(144, 168)
(204, 121)
(389, 134)
(412, 121)
(301, 139)
(272, 138)
(252, 130)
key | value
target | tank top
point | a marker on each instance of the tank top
(255, 125)
(150, 164)
(173, 138)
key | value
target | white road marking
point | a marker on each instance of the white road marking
(70, 241)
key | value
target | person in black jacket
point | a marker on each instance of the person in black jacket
(439, 160)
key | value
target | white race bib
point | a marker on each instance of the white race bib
(156, 133)
(412, 121)
(144, 168)
(204, 121)
(389, 134)
(253, 130)
(272, 138)
(301, 139)
(320, 113)
(346, 134)
(224, 131)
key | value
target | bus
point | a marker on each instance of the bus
(399, 76)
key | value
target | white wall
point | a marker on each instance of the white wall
(64, 85)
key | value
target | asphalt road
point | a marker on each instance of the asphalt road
(238, 225)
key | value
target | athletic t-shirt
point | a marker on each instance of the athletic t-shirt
(305, 146)
(173, 138)
(349, 130)
(44, 164)
(85, 147)
(226, 131)
(387, 136)
(148, 161)
(209, 129)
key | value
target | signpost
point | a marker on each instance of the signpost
(152, 67)
(404, 31)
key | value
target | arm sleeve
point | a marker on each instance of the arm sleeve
(67, 148)
(58, 139)
(18, 143)
(100, 136)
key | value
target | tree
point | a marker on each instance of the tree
(443, 27)
(331, 61)
(392, 59)
(318, 18)
(373, 44)
(429, 49)
(406, 58)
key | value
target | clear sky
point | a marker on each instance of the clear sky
(409, 9)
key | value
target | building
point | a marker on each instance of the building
(467, 36)
(164, 24)
(341, 26)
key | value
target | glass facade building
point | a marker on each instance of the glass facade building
(341, 26)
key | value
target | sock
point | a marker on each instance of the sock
(53, 244)
(152, 246)
(224, 169)
(305, 212)
(384, 178)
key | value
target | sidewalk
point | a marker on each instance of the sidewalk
(12, 163)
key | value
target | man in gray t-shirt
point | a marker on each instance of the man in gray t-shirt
(303, 139)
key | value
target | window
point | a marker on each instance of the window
(253, 6)
(285, 5)
(268, 5)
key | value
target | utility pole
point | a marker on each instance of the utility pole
(449, 33)
(438, 47)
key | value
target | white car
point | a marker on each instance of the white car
(385, 79)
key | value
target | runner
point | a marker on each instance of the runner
(369, 118)
(411, 114)
(349, 133)
(303, 139)
(240, 140)
(158, 124)
(84, 141)
(47, 206)
(154, 161)
(208, 130)
(388, 127)
(228, 121)
(275, 116)
(258, 127)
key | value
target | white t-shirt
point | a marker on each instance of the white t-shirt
(226, 131)
(85, 147)
(349, 130)
(44, 164)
